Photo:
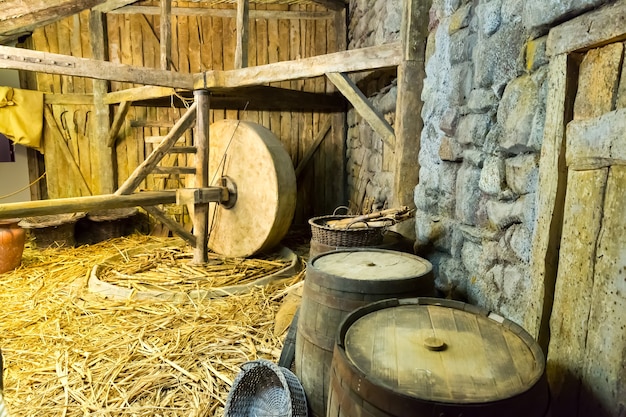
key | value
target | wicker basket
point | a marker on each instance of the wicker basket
(264, 389)
(52, 230)
(349, 237)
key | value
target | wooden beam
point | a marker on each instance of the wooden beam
(321, 134)
(111, 5)
(201, 211)
(118, 121)
(375, 57)
(146, 92)
(590, 30)
(85, 203)
(409, 123)
(18, 16)
(241, 49)
(68, 99)
(363, 106)
(166, 34)
(598, 142)
(228, 13)
(171, 224)
(28, 60)
(550, 201)
(184, 123)
(331, 4)
(102, 155)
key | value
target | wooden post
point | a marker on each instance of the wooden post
(166, 34)
(103, 177)
(336, 192)
(201, 211)
(409, 123)
(241, 50)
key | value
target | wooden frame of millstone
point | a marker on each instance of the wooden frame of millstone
(579, 285)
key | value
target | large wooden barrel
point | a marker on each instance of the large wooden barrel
(337, 283)
(434, 357)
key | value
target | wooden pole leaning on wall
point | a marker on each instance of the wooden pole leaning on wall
(241, 50)
(166, 34)
(201, 210)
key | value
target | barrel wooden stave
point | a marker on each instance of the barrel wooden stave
(363, 395)
(326, 300)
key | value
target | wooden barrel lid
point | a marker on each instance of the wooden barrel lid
(262, 171)
(443, 353)
(371, 264)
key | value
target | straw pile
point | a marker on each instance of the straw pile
(69, 352)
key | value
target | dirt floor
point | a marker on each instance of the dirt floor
(71, 352)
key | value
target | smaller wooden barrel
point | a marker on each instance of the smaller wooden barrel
(337, 283)
(434, 357)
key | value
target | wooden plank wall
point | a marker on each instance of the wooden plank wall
(199, 43)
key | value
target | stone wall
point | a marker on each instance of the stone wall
(484, 110)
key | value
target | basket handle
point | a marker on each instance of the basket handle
(341, 207)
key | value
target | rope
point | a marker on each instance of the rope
(2, 197)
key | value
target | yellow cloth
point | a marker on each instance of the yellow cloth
(21, 116)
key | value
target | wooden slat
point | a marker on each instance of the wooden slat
(570, 316)
(605, 343)
(364, 107)
(370, 58)
(67, 155)
(321, 134)
(111, 5)
(597, 28)
(552, 182)
(174, 170)
(159, 152)
(230, 13)
(27, 60)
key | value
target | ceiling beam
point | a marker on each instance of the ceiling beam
(228, 13)
(28, 60)
(363, 59)
(331, 4)
(18, 17)
(110, 5)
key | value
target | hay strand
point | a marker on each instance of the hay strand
(69, 352)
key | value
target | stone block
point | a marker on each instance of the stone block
(522, 173)
(521, 111)
(460, 19)
(535, 54)
(502, 214)
(474, 157)
(516, 244)
(492, 176)
(539, 15)
(375, 162)
(425, 200)
(461, 45)
(482, 100)
(450, 150)
(489, 16)
(498, 59)
(468, 195)
(472, 129)
(452, 278)
(461, 83)
(471, 255)
(450, 120)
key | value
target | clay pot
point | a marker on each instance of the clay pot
(12, 238)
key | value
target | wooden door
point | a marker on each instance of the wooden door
(587, 348)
